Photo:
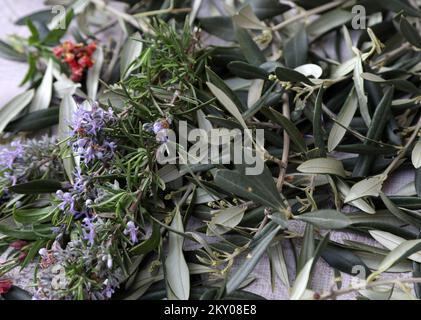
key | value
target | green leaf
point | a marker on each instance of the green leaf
(35, 120)
(14, 107)
(398, 213)
(218, 82)
(249, 48)
(67, 108)
(303, 277)
(265, 9)
(277, 261)
(288, 75)
(398, 6)
(416, 155)
(391, 242)
(308, 247)
(252, 259)
(418, 181)
(323, 166)
(345, 117)
(326, 219)
(246, 18)
(300, 284)
(328, 21)
(364, 188)
(401, 252)
(130, 52)
(319, 141)
(27, 234)
(37, 187)
(221, 27)
(291, 129)
(410, 33)
(177, 271)
(33, 216)
(359, 203)
(44, 92)
(375, 131)
(10, 53)
(92, 78)
(224, 220)
(344, 260)
(260, 188)
(43, 16)
(359, 89)
(296, 48)
(247, 71)
(227, 103)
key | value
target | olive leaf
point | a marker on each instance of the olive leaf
(367, 187)
(224, 220)
(410, 33)
(345, 117)
(251, 260)
(44, 92)
(246, 18)
(323, 166)
(391, 242)
(416, 155)
(402, 251)
(296, 49)
(291, 129)
(359, 89)
(14, 107)
(260, 188)
(176, 269)
(92, 79)
(326, 219)
(67, 108)
(361, 204)
(130, 52)
(277, 260)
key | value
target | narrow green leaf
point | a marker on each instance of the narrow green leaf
(14, 107)
(296, 48)
(319, 141)
(92, 79)
(37, 187)
(249, 48)
(251, 260)
(177, 271)
(291, 129)
(247, 71)
(44, 92)
(323, 166)
(345, 117)
(130, 52)
(326, 219)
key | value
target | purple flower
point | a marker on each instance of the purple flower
(79, 184)
(108, 290)
(66, 200)
(89, 230)
(9, 155)
(132, 230)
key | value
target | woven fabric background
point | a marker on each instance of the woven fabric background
(11, 73)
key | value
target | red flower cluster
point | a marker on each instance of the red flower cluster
(5, 286)
(77, 56)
